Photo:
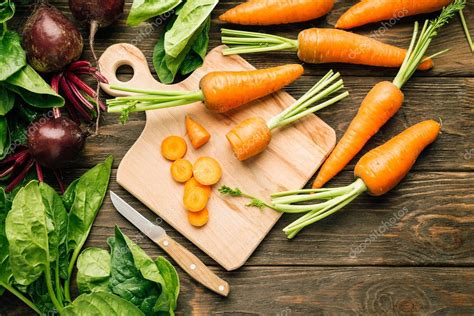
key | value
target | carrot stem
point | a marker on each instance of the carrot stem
(254, 42)
(466, 30)
(416, 52)
(306, 104)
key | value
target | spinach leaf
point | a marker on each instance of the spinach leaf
(13, 57)
(27, 233)
(5, 271)
(70, 194)
(4, 137)
(7, 100)
(93, 270)
(7, 10)
(191, 17)
(101, 304)
(33, 89)
(38, 292)
(145, 9)
(126, 279)
(195, 58)
(169, 301)
(89, 193)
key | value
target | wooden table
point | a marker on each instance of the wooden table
(422, 260)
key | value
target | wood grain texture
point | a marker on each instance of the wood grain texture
(233, 232)
(421, 265)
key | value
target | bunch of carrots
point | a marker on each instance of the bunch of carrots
(198, 177)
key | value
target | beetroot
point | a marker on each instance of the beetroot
(55, 143)
(51, 40)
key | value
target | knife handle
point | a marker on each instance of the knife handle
(193, 266)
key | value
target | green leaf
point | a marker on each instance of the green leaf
(195, 58)
(70, 194)
(93, 270)
(27, 233)
(38, 291)
(88, 196)
(169, 301)
(4, 137)
(101, 304)
(5, 270)
(7, 10)
(7, 100)
(145, 9)
(190, 18)
(126, 279)
(12, 57)
(33, 89)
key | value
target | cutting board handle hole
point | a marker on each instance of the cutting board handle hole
(124, 73)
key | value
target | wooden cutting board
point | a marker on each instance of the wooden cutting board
(234, 230)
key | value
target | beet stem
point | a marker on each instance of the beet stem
(20, 176)
(93, 30)
(78, 64)
(39, 172)
(72, 98)
(59, 178)
(79, 95)
(14, 157)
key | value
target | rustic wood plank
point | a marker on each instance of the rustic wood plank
(324, 290)
(451, 101)
(427, 220)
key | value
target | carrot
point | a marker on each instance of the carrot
(197, 134)
(181, 170)
(370, 11)
(196, 195)
(207, 171)
(382, 102)
(198, 219)
(252, 136)
(377, 172)
(318, 45)
(220, 87)
(268, 12)
(384, 167)
(221, 91)
(173, 148)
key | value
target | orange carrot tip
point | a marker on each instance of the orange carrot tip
(252, 136)
(197, 134)
(217, 91)
(377, 172)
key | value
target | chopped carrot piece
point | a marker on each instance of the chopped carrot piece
(198, 135)
(196, 195)
(198, 219)
(181, 170)
(207, 171)
(173, 147)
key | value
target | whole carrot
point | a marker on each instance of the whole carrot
(221, 91)
(382, 102)
(268, 12)
(252, 136)
(377, 172)
(318, 46)
(370, 11)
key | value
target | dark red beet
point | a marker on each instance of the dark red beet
(51, 40)
(56, 142)
(104, 12)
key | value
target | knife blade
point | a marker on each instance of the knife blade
(183, 257)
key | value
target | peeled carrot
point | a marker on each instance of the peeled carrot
(383, 101)
(384, 167)
(317, 46)
(227, 90)
(173, 148)
(196, 195)
(380, 104)
(370, 11)
(197, 134)
(268, 12)
(181, 170)
(221, 91)
(207, 171)
(198, 219)
(252, 136)
(377, 172)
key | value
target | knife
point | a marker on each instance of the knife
(183, 257)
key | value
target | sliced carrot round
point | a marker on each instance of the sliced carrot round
(173, 147)
(198, 219)
(196, 195)
(207, 171)
(181, 170)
